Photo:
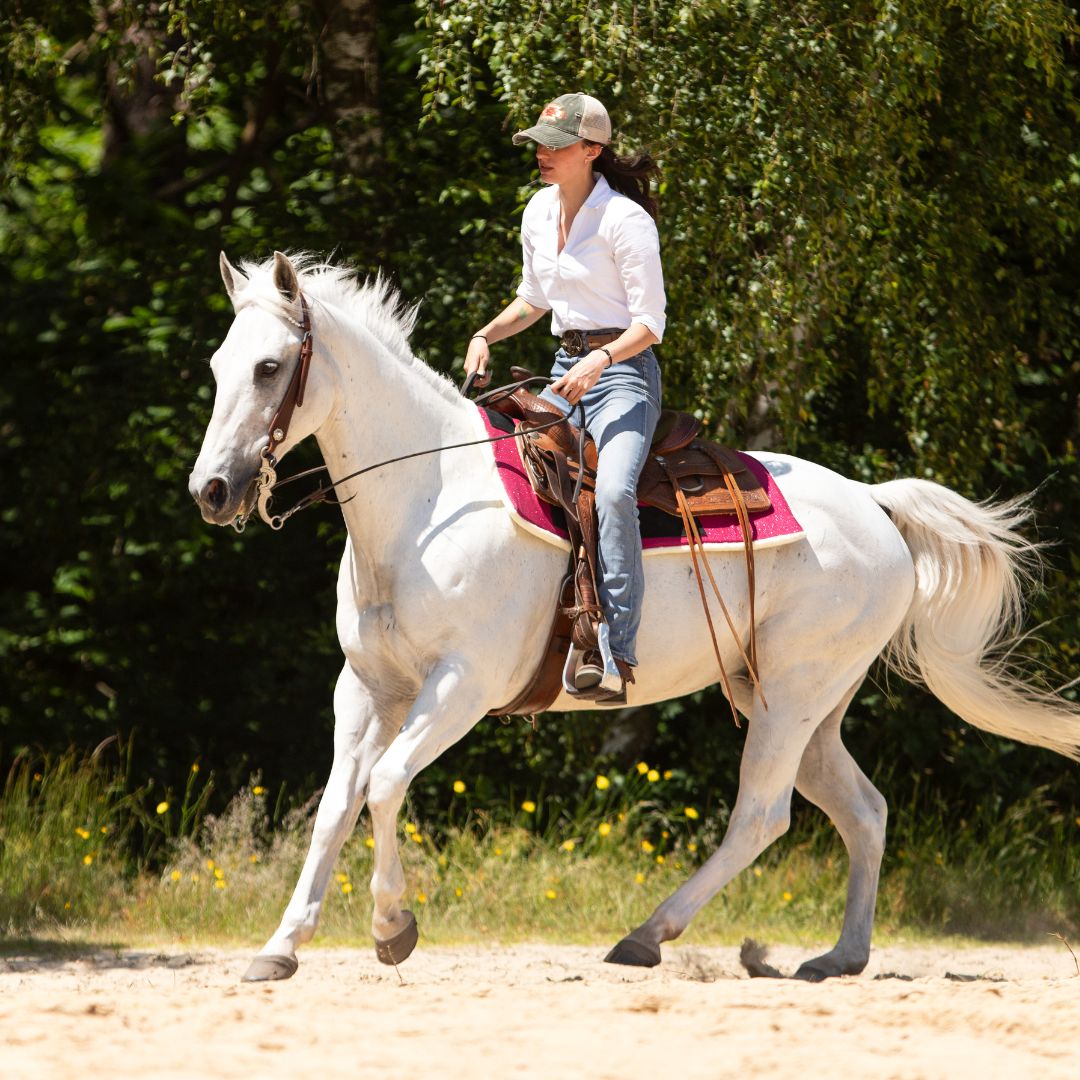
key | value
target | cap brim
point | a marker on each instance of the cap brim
(546, 135)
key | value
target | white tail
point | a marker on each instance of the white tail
(971, 564)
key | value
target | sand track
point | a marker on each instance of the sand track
(543, 1011)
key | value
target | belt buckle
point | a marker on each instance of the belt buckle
(574, 341)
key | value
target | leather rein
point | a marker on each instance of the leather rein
(267, 482)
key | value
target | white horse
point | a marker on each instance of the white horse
(444, 603)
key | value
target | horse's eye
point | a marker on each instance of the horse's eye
(266, 368)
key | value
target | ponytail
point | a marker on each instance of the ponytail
(630, 176)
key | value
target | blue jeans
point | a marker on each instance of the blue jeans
(621, 412)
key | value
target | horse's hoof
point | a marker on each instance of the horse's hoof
(633, 954)
(270, 969)
(398, 948)
(808, 973)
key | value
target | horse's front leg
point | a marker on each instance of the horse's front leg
(449, 704)
(361, 736)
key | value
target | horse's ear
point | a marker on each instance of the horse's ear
(285, 279)
(230, 275)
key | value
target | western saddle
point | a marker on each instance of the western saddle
(685, 476)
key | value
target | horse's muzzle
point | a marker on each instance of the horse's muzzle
(220, 501)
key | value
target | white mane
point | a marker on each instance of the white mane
(374, 303)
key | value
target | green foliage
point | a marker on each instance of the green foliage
(583, 867)
(869, 218)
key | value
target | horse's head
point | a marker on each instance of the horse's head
(253, 369)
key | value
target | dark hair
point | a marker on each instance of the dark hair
(629, 175)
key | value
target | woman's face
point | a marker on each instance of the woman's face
(567, 165)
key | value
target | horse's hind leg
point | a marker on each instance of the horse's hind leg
(774, 747)
(829, 778)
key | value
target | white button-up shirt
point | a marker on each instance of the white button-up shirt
(607, 275)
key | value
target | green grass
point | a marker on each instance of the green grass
(585, 874)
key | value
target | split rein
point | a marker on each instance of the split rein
(267, 482)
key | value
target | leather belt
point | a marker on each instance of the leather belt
(578, 342)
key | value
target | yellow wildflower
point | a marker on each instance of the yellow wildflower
(194, 766)
(37, 776)
(84, 833)
(457, 892)
(253, 858)
(218, 873)
(642, 768)
(603, 783)
(220, 883)
(369, 841)
(660, 860)
(691, 847)
(551, 894)
(176, 875)
(757, 871)
(788, 897)
(652, 776)
(209, 864)
(459, 787)
(529, 806)
(639, 878)
(665, 834)
(691, 813)
(341, 878)
(410, 828)
(346, 887)
(417, 838)
(498, 851)
(647, 847)
(421, 898)
(567, 845)
(667, 774)
(258, 789)
(87, 860)
(162, 807)
(104, 830)
(603, 828)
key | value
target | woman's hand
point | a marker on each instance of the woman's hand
(477, 359)
(582, 377)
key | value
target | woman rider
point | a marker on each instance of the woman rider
(591, 256)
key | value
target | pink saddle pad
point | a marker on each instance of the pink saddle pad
(776, 525)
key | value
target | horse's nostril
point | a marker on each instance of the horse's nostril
(215, 493)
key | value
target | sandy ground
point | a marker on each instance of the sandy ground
(541, 1011)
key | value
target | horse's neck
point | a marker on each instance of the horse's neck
(388, 408)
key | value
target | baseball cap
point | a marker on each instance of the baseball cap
(567, 120)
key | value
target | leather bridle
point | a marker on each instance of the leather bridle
(266, 482)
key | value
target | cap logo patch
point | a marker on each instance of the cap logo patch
(553, 113)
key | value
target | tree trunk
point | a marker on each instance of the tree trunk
(349, 80)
